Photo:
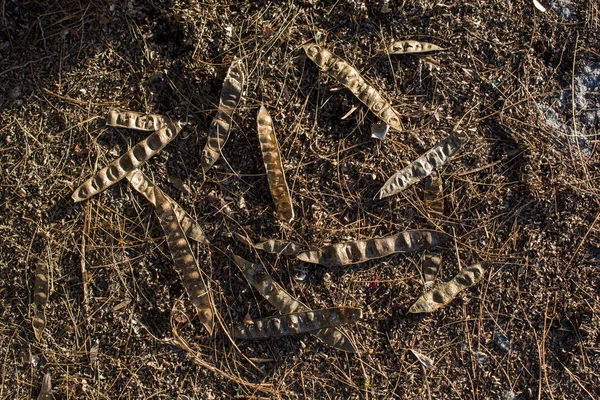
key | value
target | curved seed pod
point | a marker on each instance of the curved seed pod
(430, 266)
(218, 133)
(259, 278)
(46, 389)
(184, 261)
(422, 166)
(128, 162)
(140, 182)
(285, 247)
(275, 172)
(433, 193)
(410, 46)
(297, 323)
(135, 120)
(348, 76)
(40, 297)
(446, 292)
(364, 250)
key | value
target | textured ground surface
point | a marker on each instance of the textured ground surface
(523, 194)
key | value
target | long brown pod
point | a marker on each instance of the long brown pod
(141, 183)
(40, 297)
(364, 250)
(297, 323)
(433, 193)
(348, 76)
(134, 158)
(430, 265)
(284, 247)
(443, 294)
(218, 133)
(275, 173)
(280, 299)
(184, 261)
(409, 46)
(136, 120)
(422, 166)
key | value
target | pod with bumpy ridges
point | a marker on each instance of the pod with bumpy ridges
(348, 76)
(134, 158)
(218, 133)
(275, 173)
(410, 46)
(430, 265)
(433, 193)
(297, 323)
(364, 250)
(422, 166)
(40, 297)
(280, 299)
(443, 294)
(184, 261)
(135, 120)
(141, 183)
(284, 247)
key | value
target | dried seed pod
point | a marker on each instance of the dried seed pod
(184, 261)
(128, 162)
(135, 120)
(275, 172)
(218, 133)
(430, 265)
(285, 247)
(443, 294)
(433, 193)
(364, 250)
(422, 166)
(40, 297)
(297, 323)
(46, 389)
(409, 46)
(272, 292)
(348, 76)
(141, 183)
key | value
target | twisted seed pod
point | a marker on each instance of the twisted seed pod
(141, 183)
(184, 261)
(297, 323)
(409, 46)
(257, 277)
(364, 250)
(128, 162)
(430, 266)
(135, 120)
(40, 297)
(218, 133)
(422, 166)
(348, 76)
(446, 292)
(433, 193)
(275, 172)
(285, 247)
(46, 389)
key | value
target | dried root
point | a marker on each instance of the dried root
(443, 294)
(409, 46)
(364, 250)
(40, 297)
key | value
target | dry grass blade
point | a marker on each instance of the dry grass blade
(433, 193)
(184, 261)
(40, 297)
(134, 158)
(218, 133)
(297, 323)
(348, 76)
(285, 247)
(443, 294)
(409, 46)
(422, 166)
(364, 250)
(430, 266)
(275, 173)
(46, 389)
(141, 183)
(135, 120)
(272, 292)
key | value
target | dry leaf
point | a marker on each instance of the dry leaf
(423, 359)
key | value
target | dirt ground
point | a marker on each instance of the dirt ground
(523, 194)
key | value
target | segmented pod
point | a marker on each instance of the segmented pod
(285, 247)
(422, 166)
(410, 46)
(184, 261)
(364, 250)
(443, 294)
(141, 183)
(128, 162)
(275, 173)
(297, 323)
(40, 297)
(280, 299)
(135, 120)
(46, 389)
(433, 193)
(430, 265)
(348, 76)
(218, 133)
